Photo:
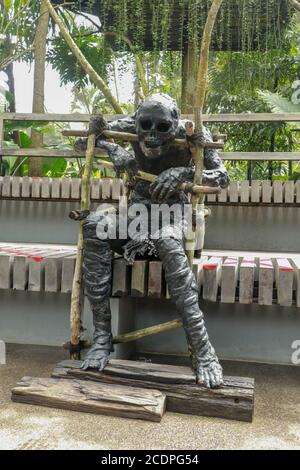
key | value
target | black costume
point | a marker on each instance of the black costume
(157, 124)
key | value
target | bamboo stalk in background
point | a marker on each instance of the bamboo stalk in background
(198, 151)
(77, 288)
(89, 70)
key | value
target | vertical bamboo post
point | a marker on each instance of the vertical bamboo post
(77, 288)
(198, 153)
(86, 66)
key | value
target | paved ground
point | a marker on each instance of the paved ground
(276, 424)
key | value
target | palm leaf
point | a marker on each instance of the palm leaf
(277, 103)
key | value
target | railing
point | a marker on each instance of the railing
(250, 157)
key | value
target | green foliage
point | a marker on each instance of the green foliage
(94, 48)
(278, 103)
(17, 29)
(167, 24)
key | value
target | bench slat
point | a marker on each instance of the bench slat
(211, 278)
(246, 280)
(266, 280)
(229, 279)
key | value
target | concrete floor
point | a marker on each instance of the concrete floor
(276, 423)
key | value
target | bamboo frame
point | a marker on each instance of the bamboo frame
(188, 187)
(198, 151)
(77, 289)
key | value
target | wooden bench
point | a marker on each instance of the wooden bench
(69, 189)
(58, 189)
(227, 277)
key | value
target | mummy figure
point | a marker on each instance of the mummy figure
(157, 124)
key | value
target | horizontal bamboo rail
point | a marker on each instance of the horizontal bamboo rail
(187, 187)
(127, 137)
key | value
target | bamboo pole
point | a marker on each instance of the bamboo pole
(143, 333)
(95, 78)
(198, 151)
(128, 137)
(188, 187)
(77, 288)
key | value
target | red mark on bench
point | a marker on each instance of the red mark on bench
(37, 259)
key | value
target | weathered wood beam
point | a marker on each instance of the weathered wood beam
(91, 397)
(234, 400)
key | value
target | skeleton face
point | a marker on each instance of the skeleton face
(156, 124)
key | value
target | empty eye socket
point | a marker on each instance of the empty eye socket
(163, 127)
(146, 124)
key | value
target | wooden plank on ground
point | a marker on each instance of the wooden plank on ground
(155, 279)
(265, 281)
(212, 270)
(246, 280)
(91, 397)
(234, 400)
(139, 278)
(121, 278)
(284, 281)
(229, 279)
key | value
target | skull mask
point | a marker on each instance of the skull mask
(156, 124)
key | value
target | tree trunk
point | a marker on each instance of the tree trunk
(36, 163)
